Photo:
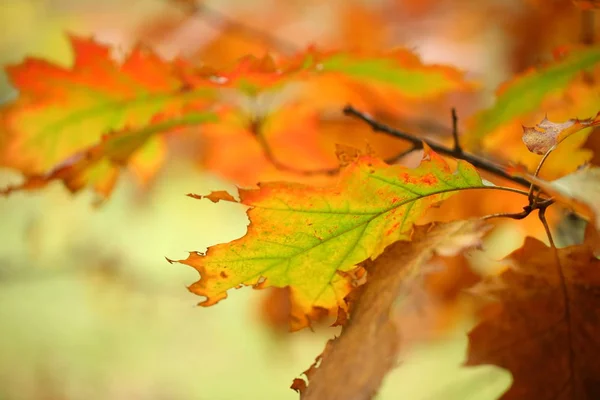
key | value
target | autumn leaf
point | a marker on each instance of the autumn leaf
(525, 93)
(301, 236)
(374, 80)
(98, 166)
(399, 70)
(560, 90)
(61, 112)
(275, 125)
(542, 324)
(354, 364)
(546, 135)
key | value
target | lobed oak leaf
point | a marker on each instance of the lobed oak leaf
(63, 113)
(400, 70)
(98, 166)
(373, 80)
(542, 324)
(546, 135)
(301, 236)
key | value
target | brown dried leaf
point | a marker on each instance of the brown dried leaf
(546, 135)
(545, 325)
(353, 365)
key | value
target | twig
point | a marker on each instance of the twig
(268, 151)
(457, 147)
(537, 171)
(476, 161)
(520, 215)
(399, 156)
(534, 204)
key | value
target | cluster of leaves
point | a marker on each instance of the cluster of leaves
(80, 124)
(342, 235)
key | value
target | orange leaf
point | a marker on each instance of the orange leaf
(62, 113)
(98, 166)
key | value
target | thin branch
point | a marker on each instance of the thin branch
(268, 151)
(401, 155)
(520, 215)
(457, 147)
(536, 204)
(476, 161)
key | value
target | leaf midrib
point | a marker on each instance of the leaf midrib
(338, 234)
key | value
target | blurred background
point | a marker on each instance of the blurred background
(89, 307)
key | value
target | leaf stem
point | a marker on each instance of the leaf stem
(476, 161)
(269, 154)
(457, 147)
(537, 171)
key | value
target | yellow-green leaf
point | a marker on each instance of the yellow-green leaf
(306, 237)
(62, 111)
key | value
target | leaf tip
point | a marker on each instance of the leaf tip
(299, 385)
(215, 196)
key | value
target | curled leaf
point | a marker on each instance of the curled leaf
(546, 135)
